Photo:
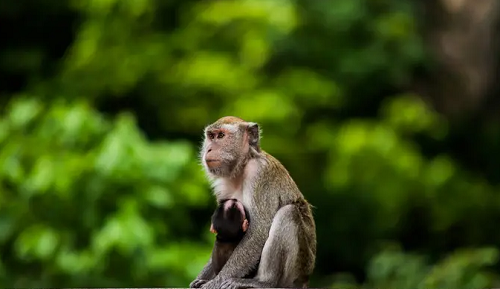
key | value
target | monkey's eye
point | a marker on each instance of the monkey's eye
(210, 135)
(220, 135)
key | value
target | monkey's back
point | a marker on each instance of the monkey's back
(221, 253)
(291, 195)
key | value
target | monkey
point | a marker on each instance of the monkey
(230, 223)
(280, 242)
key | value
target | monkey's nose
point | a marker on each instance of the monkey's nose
(209, 150)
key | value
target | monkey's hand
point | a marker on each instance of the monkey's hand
(197, 283)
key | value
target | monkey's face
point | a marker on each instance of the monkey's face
(229, 220)
(226, 146)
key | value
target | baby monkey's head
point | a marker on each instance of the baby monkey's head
(230, 220)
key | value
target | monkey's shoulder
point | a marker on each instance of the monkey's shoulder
(271, 170)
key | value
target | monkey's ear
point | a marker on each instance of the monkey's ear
(212, 229)
(245, 225)
(254, 134)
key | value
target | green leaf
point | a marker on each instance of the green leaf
(37, 241)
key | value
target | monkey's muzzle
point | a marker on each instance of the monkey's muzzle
(212, 163)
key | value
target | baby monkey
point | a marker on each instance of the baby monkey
(229, 222)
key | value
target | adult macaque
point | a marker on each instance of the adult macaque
(281, 238)
(230, 223)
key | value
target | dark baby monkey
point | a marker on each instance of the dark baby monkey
(229, 222)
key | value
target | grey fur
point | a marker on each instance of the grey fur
(281, 239)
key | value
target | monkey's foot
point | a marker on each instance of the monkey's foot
(237, 283)
(197, 283)
(212, 284)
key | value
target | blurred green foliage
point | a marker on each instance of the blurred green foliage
(87, 197)
(105, 102)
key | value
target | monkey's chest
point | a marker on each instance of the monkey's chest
(226, 189)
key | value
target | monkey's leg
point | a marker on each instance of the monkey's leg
(279, 264)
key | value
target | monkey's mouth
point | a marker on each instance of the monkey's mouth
(211, 163)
